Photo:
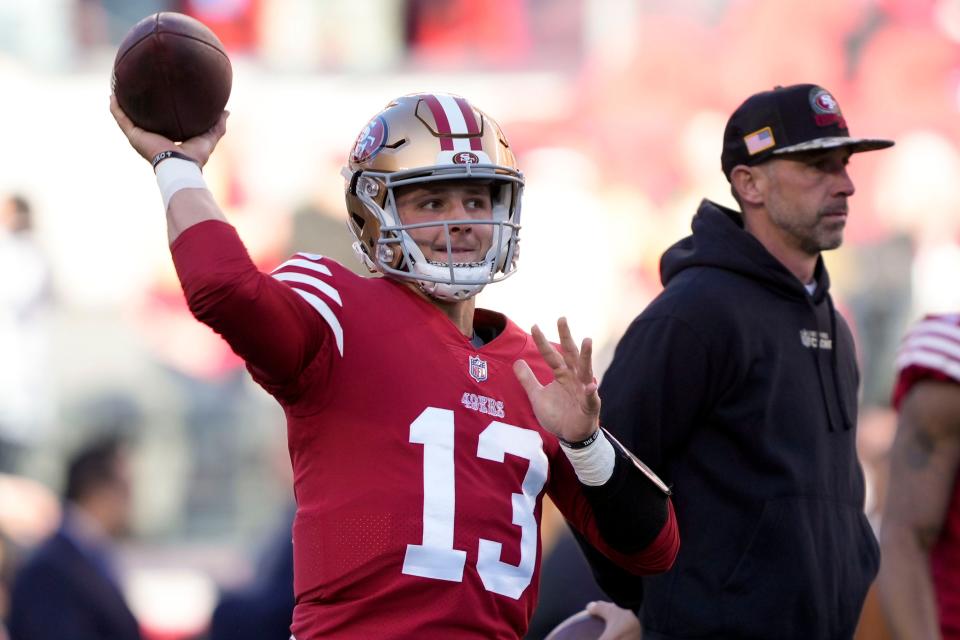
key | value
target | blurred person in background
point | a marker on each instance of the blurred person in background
(920, 532)
(410, 513)
(25, 386)
(29, 513)
(739, 384)
(69, 586)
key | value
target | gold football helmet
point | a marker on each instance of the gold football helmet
(423, 138)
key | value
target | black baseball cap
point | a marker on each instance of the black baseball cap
(801, 117)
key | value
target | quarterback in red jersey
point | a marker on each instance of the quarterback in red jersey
(423, 432)
(920, 535)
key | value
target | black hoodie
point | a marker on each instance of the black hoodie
(740, 389)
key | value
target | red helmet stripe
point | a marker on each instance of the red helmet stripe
(472, 128)
(440, 117)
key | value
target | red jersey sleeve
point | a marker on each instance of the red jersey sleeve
(929, 351)
(282, 326)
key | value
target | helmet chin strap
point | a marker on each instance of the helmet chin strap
(449, 292)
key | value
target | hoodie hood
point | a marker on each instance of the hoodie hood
(719, 240)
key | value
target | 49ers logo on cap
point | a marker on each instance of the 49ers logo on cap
(466, 157)
(826, 111)
(370, 140)
(823, 102)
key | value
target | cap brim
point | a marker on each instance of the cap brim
(857, 144)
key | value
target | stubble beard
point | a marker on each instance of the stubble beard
(826, 233)
(823, 234)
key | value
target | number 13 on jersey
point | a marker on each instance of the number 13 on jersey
(435, 557)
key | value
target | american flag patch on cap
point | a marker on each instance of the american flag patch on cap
(759, 140)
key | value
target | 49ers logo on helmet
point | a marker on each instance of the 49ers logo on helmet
(370, 140)
(465, 157)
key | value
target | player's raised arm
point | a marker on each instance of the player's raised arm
(223, 287)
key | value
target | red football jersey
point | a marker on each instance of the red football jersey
(419, 467)
(931, 350)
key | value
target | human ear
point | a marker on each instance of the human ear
(748, 183)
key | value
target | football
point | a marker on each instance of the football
(580, 626)
(172, 76)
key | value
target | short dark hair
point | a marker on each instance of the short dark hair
(92, 467)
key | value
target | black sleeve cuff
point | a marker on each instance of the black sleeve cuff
(631, 507)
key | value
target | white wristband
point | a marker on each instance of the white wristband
(593, 463)
(174, 174)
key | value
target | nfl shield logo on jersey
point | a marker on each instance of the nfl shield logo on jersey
(478, 368)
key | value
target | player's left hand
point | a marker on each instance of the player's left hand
(568, 407)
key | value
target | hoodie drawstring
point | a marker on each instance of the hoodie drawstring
(834, 367)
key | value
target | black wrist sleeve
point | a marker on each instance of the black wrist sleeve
(630, 508)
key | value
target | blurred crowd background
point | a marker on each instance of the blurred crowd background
(615, 109)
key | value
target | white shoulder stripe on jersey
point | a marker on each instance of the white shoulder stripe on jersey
(305, 264)
(937, 326)
(310, 256)
(932, 342)
(317, 283)
(931, 360)
(327, 314)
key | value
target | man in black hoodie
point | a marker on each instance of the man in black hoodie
(738, 385)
